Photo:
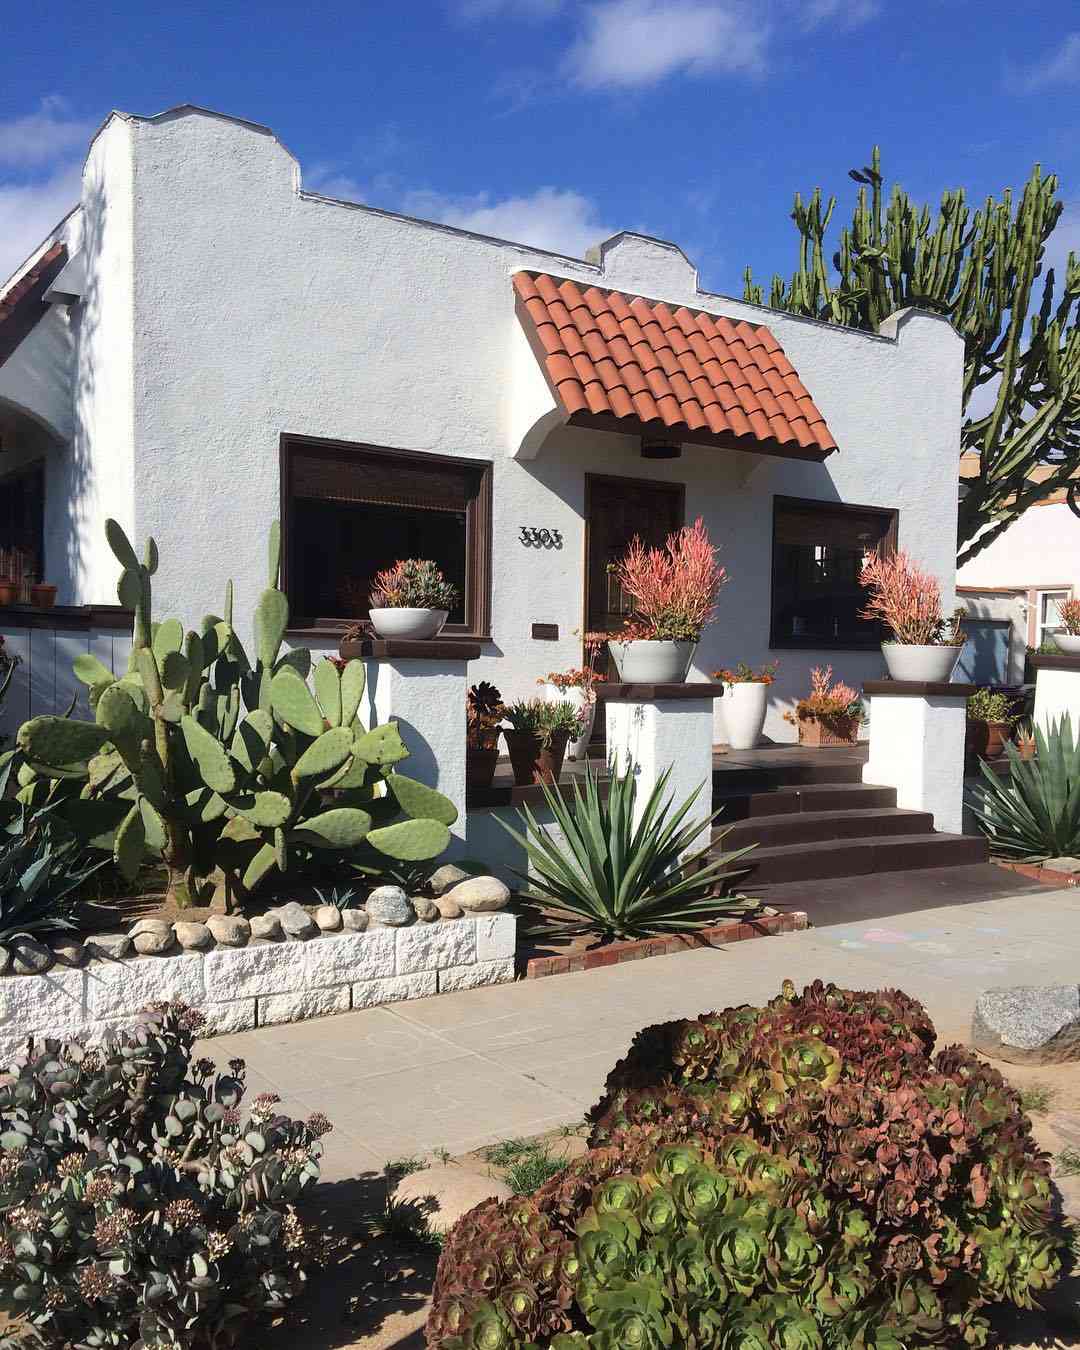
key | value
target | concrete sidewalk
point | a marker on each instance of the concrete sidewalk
(462, 1070)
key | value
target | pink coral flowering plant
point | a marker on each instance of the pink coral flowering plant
(908, 601)
(674, 588)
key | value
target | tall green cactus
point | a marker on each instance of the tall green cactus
(982, 269)
(224, 769)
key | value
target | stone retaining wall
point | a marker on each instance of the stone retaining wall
(263, 983)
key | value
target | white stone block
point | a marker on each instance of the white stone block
(436, 946)
(917, 747)
(340, 958)
(496, 936)
(1057, 695)
(117, 987)
(396, 989)
(54, 1002)
(237, 1014)
(243, 972)
(301, 1004)
(471, 977)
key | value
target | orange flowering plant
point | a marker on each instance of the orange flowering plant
(674, 588)
(1070, 616)
(828, 700)
(586, 677)
(744, 674)
(908, 601)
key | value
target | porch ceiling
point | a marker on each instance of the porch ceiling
(625, 364)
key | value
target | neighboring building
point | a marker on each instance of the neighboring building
(203, 345)
(1013, 588)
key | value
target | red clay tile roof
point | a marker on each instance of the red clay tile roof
(614, 359)
(21, 305)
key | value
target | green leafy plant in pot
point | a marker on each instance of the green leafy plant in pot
(989, 717)
(537, 738)
(484, 710)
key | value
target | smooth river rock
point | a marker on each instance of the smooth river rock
(328, 918)
(354, 920)
(193, 937)
(153, 937)
(441, 1195)
(231, 930)
(1028, 1024)
(68, 950)
(479, 895)
(108, 946)
(390, 906)
(444, 877)
(295, 921)
(448, 907)
(268, 927)
(426, 910)
(29, 956)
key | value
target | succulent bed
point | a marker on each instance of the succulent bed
(808, 1174)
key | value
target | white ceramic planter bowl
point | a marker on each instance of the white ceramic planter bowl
(576, 749)
(644, 661)
(744, 707)
(932, 665)
(413, 624)
(1068, 643)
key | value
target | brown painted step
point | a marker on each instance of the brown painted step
(860, 857)
(810, 827)
(731, 777)
(803, 797)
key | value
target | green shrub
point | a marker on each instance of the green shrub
(138, 1205)
(990, 705)
(537, 717)
(799, 1176)
(622, 879)
(1034, 811)
(42, 872)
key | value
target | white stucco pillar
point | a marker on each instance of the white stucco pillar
(1057, 691)
(917, 746)
(651, 728)
(422, 687)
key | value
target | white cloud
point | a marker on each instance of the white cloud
(1059, 66)
(28, 211)
(557, 219)
(1064, 240)
(632, 43)
(328, 180)
(43, 136)
(844, 13)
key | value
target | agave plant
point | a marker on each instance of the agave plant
(621, 874)
(41, 872)
(1035, 811)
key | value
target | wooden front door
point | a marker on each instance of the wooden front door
(616, 509)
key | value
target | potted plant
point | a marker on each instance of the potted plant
(926, 646)
(42, 595)
(673, 590)
(830, 715)
(537, 738)
(1069, 641)
(412, 599)
(989, 718)
(1024, 736)
(484, 712)
(746, 702)
(579, 688)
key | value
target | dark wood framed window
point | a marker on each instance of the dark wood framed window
(348, 511)
(22, 522)
(818, 549)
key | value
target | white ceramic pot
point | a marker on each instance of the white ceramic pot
(744, 706)
(929, 664)
(414, 624)
(1068, 643)
(644, 661)
(575, 749)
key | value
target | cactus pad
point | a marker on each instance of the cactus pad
(328, 691)
(60, 741)
(344, 827)
(293, 703)
(410, 840)
(382, 745)
(324, 755)
(419, 801)
(209, 756)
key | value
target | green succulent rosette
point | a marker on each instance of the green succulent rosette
(672, 1160)
(738, 1247)
(793, 1328)
(747, 1328)
(804, 1060)
(658, 1211)
(702, 1191)
(490, 1329)
(630, 1317)
(793, 1254)
(620, 1192)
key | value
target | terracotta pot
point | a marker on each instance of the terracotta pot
(836, 731)
(1026, 746)
(43, 595)
(531, 761)
(480, 766)
(9, 591)
(986, 740)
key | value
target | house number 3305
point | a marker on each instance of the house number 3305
(534, 537)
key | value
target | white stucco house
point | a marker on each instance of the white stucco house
(203, 345)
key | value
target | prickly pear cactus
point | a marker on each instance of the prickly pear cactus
(221, 766)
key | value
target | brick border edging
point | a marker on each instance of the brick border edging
(1046, 875)
(615, 953)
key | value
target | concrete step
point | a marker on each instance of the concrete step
(859, 857)
(809, 827)
(730, 777)
(791, 797)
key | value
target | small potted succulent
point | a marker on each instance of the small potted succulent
(1024, 736)
(484, 713)
(579, 688)
(537, 738)
(830, 715)
(42, 595)
(1069, 641)
(989, 718)
(673, 592)
(926, 646)
(746, 702)
(412, 599)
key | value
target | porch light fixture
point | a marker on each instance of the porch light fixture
(656, 447)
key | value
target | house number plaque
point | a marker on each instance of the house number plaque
(532, 536)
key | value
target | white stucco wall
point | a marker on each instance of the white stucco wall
(1041, 549)
(258, 309)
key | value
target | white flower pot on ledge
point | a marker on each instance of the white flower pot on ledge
(744, 706)
(413, 624)
(925, 664)
(645, 661)
(1068, 643)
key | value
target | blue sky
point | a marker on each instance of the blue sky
(557, 122)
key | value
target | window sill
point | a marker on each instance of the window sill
(335, 632)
